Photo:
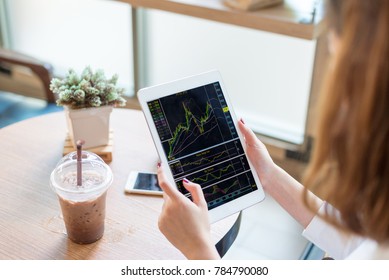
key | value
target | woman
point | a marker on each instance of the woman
(349, 171)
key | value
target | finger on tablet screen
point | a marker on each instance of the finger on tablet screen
(170, 190)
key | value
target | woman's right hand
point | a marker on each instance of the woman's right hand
(258, 155)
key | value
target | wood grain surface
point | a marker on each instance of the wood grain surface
(286, 19)
(31, 226)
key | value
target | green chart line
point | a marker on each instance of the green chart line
(184, 127)
(217, 177)
(199, 162)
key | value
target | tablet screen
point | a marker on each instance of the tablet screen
(201, 143)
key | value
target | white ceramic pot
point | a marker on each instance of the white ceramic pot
(89, 124)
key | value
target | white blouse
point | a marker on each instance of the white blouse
(340, 245)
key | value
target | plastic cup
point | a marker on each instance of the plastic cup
(83, 207)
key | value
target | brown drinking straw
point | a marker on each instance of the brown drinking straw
(79, 158)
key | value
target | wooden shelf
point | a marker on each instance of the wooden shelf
(286, 19)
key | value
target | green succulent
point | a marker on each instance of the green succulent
(90, 89)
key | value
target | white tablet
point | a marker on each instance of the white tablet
(195, 133)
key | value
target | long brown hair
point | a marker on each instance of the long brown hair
(350, 164)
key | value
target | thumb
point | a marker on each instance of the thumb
(196, 192)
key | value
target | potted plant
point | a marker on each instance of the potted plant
(88, 100)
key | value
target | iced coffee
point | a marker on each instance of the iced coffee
(82, 204)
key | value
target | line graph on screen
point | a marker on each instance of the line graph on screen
(201, 143)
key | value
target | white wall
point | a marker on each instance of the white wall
(268, 76)
(75, 33)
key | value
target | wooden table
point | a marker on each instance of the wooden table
(31, 226)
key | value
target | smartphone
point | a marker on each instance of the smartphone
(143, 183)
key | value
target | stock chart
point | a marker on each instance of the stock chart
(201, 143)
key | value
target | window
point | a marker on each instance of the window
(73, 33)
(268, 76)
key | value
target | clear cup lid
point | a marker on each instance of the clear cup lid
(96, 176)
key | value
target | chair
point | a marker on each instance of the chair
(14, 104)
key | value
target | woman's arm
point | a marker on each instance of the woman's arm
(288, 193)
(276, 182)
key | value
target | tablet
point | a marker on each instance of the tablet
(195, 133)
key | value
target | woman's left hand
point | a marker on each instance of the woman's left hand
(185, 223)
